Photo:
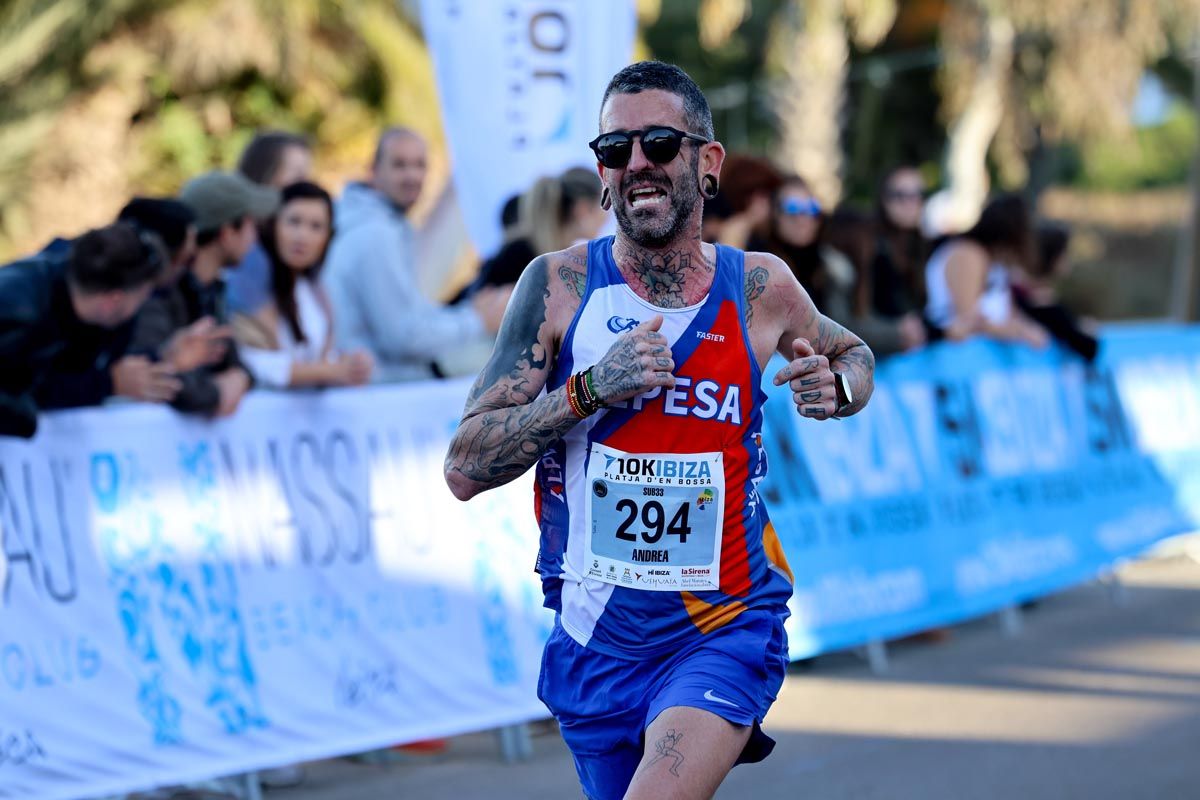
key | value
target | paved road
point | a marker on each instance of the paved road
(1093, 700)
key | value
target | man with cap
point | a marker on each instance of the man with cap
(226, 208)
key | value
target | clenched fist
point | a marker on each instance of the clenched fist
(637, 362)
(811, 381)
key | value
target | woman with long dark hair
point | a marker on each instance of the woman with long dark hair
(892, 281)
(276, 159)
(288, 342)
(795, 235)
(968, 278)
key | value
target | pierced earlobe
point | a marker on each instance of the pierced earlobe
(605, 199)
(709, 186)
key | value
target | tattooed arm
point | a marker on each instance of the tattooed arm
(506, 427)
(815, 345)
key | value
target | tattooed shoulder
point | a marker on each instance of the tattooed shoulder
(755, 285)
(572, 269)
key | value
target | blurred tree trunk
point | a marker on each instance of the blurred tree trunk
(810, 51)
(812, 55)
(971, 131)
(1185, 295)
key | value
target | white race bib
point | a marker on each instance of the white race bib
(654, 520)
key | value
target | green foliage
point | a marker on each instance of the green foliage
(1150, 157)
(102, 100)
(738, 66)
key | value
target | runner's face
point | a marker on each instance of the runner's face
(664, 213)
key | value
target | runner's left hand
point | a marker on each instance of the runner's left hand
(811, 381)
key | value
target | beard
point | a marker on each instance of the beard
(653, 228)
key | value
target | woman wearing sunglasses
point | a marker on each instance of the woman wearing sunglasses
(796, 227)
(628, 369)
(892, 286)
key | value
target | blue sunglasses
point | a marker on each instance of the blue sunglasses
(800, 208)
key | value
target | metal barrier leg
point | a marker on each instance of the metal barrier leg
(877, 656)
(252, 790)
(515, 743)
(1118, 592)
(1010, 621)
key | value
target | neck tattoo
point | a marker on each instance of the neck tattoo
(668, 278)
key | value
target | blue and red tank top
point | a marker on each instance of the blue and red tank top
(653, 532)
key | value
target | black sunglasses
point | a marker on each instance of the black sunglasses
(660, 144)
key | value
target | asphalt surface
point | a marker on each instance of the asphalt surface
(1098, 697)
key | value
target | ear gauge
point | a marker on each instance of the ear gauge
(709, 186)
(605, 199)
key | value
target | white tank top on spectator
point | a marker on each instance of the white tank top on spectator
(272, 368)
(995, 304)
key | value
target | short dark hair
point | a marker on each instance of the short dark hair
(115, 258)
(510, 212)
(1053, 239)
(262, 157)
(1006, 223)
(669, 78)
(745, 177)
(391, 133)
(168, 218)
(205, 238)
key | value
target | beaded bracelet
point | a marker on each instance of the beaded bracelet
(581, 394)
(573, 399)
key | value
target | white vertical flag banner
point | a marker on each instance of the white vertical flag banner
(520, 83)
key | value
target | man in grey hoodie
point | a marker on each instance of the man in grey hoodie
(371, 272)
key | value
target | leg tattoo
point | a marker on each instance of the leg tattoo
(666, 749)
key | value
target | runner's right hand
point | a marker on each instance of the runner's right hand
(637, 362)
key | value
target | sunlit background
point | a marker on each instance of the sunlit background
(1087, 105)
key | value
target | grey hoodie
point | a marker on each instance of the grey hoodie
(371, 278)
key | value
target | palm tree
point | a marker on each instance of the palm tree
(100, 100)
(810, 50)
(1021, 74)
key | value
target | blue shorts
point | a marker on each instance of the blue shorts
(604, 704)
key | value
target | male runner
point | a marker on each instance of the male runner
(656, 551)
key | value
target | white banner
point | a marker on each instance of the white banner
(182, 600)
(520, 83)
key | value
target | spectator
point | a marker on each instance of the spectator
(888, 252)
(744, 204)
(276, 159)
(94, 363)
(716, 212)
(226, 206)
(890, 298)
(968, 278)
(288, 342)
(795, 236)
(1037, 296)
(371, 274)
(553, 214)
(203, 342)
(99, 282)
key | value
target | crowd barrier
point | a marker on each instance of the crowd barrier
(982, 475)
(183, 599)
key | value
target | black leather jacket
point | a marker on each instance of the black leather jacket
(176, 307)
(36, 317)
